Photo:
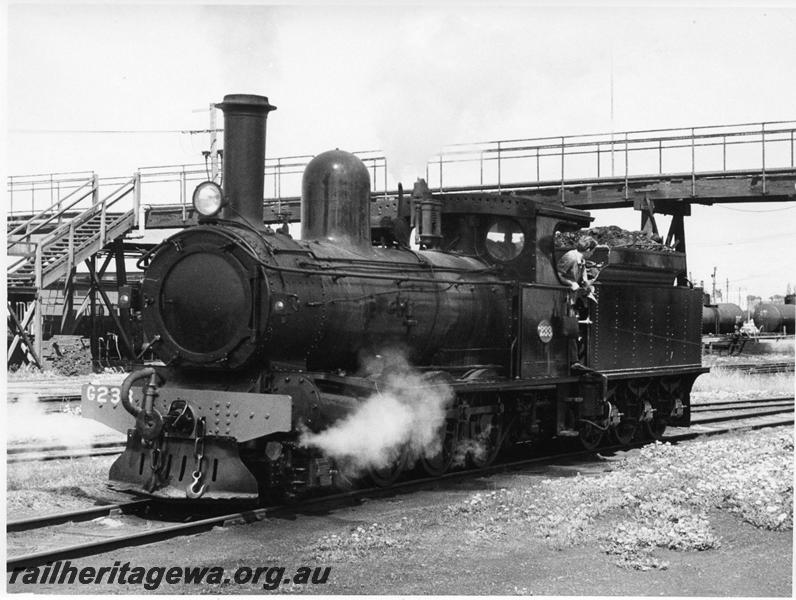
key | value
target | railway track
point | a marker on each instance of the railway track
(758, 368)
(76, 515)
(30, 453)
(732, 410)
(732, 416)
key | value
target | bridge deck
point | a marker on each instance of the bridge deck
(670, 193)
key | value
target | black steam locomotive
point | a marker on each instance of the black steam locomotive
(269, 343)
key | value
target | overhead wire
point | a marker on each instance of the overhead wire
(743, 240)
(100, 131)
(114, 131)
(745, 210)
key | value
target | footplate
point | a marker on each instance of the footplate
(168, 473)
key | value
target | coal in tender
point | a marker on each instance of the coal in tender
(613, 237)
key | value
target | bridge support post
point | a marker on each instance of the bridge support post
(124, 313)
(20, 335)
(37, 327)
(676, 237)
(92, 294)
(96, 287)
(67, 318)
(138, 222)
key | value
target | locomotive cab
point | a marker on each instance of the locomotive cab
(513, 233)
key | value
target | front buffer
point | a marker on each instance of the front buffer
(183, 443)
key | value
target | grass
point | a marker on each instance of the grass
(36, 488)
(57, 474)
(721, 382)
(30, 373)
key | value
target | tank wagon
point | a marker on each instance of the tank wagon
(775, 318)
(721, 318)
(265, 339)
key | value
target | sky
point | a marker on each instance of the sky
(111, 88)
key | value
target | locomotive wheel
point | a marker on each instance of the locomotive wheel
(590, 436)
(655, 428)
(441, 462)
(486, 435)
(387, 475)
(345, 477)
(624, 432)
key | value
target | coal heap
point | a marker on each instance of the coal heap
(613, 237)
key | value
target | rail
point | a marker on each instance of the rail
(165, 184)
(32, 245)
(55, 211)
(69, 229)
(759, 147)
(554, 161)
(100, 207)
(42, 189)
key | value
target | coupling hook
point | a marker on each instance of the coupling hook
(195, 490)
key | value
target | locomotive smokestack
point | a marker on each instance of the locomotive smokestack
(244, 156)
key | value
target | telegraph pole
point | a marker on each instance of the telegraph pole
(213, 144)
(214, 154)
(713, 287)
(612, 108)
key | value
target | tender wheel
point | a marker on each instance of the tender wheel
(655, 428)
(590, 436)
(386, 476)
(486, 434)
(441, 462)
(624, 432)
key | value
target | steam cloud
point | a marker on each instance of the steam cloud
(29, 422)
(406, 413)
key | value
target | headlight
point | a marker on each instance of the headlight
(208, 198)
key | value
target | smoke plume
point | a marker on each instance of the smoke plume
(406, 414)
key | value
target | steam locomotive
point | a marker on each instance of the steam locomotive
(267, 341)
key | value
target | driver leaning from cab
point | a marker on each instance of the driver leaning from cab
(572, 267)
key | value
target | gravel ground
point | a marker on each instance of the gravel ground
(659, 498)
(703, 518)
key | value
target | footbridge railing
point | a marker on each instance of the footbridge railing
(544, 162)
(571, 160)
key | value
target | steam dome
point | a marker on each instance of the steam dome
(335, 199)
